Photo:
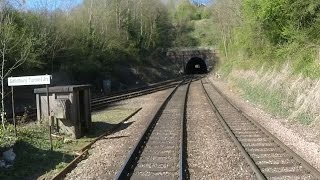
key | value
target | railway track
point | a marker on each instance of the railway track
(101, 102)
(111, 172)
(268, 157)
(160, 151)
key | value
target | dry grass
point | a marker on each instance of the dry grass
(300, 96)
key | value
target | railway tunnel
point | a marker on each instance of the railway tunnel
(196, 65)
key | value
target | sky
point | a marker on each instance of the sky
(46, 4)
(202, 1)
(59, 4)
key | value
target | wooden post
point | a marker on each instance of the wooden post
(183, 64)
(49, 118)
(13, 113)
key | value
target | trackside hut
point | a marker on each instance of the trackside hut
(69, 106)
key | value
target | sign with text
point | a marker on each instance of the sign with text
(29, 80)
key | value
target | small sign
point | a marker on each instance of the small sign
(29, 80)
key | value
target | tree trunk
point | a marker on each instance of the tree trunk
(2, 104)
(128, 19)
(2, 89)
(141, 20)
(225, 46)
(90, 41)
(118, 15)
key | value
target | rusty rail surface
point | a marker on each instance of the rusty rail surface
(267, 156)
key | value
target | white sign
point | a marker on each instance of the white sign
(29, 80)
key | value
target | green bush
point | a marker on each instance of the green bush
(7, 138)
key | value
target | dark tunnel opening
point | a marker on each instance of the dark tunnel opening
(196, 65)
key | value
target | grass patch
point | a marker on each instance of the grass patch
(271, 101)
(102, 121)
(33, 155)
(275, 102)
(305, 119)
(32, 147)
(7, 138)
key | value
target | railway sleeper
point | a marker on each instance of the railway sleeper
(284, 174)
(153, 169)
(274, 151)
(160, 161)
(279, 165)
(153, 177)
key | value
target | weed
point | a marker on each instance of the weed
(305, 119)
(280, 93)
(272, 101)
(7, 138)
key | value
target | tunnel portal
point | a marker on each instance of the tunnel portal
(196, 65)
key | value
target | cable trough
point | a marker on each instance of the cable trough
(159, 152)
(268, 157)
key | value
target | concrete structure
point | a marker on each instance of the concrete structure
(69, 106)
(193, 60)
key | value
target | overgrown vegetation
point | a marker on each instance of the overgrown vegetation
(87, 43)
(7, 138)
(93, 40)
(270, 33)
(270, 49)
(272, 101)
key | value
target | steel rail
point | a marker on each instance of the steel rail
(134, 92)
(179, 79)
(99, 103)
(104, 101)
(242, 150)
(183, 170)
(84, 150)
(294, 155)
(126, 170)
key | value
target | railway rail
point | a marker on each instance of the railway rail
(160, 151)
(160, 86)
(268, 157)
(103, 101)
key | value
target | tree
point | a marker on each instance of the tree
(227, 16)
(15, 48)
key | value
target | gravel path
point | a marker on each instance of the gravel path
(291, 135)
(211, 154)
(108, 154)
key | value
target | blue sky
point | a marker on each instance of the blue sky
(203, 1)
(59, 4)
(46, 4)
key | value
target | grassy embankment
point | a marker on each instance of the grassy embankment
(32, 147)
(286, 89)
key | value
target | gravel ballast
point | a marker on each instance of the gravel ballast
(108, 154)
(296, 136)
(211, 154)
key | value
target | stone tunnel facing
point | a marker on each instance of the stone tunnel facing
(196, 65)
